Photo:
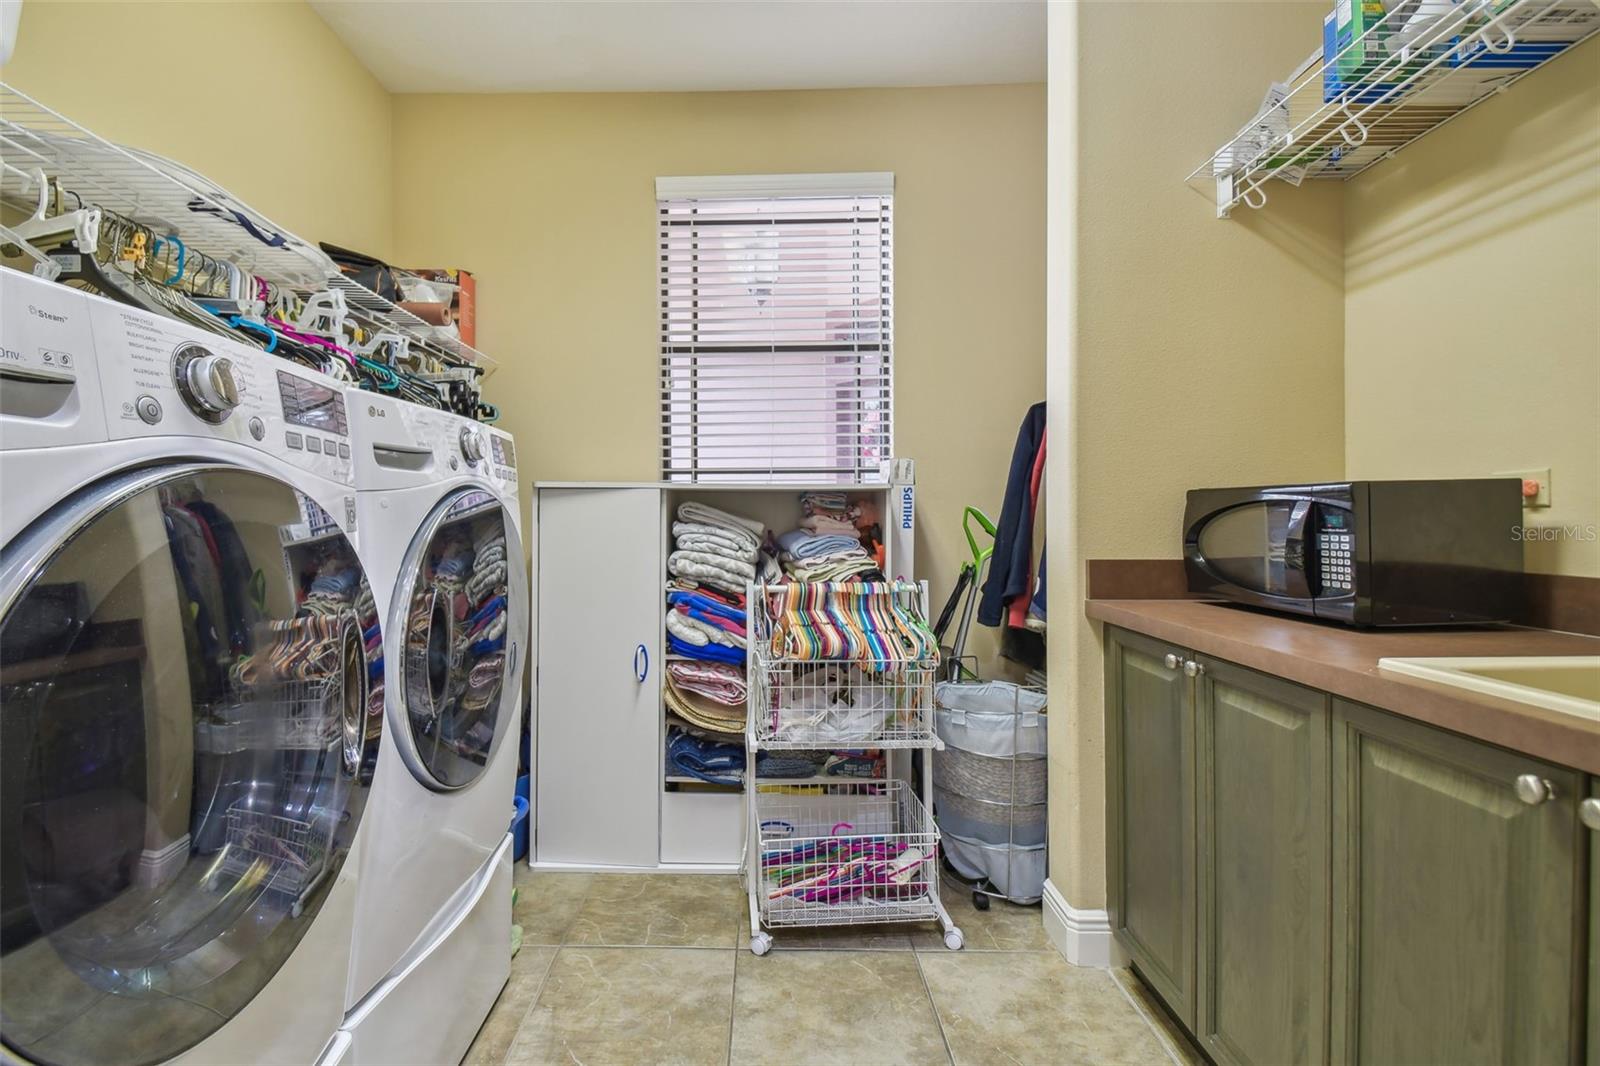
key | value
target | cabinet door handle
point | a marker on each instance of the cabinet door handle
(1193, 669)
(1589, 812)
(1171, 661)
(641, 663)
(1534, 790)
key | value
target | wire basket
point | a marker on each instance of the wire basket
(846, 854)
(282, 716)
(290, 852)
(879, 702)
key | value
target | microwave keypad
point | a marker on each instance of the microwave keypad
(1334, 550)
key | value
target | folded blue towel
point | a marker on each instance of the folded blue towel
(717, 653)
(706, 604)
(803, 544)
(718, 762)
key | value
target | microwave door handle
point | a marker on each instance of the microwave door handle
(1297, 565)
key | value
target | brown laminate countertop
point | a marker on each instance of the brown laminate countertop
(1344, 661)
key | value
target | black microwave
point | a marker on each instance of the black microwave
(1365, 553)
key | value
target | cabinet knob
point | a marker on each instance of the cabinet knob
(1193, 668)
(641, 663)
(1534, 790)
(1589, 812)
(1171, 661)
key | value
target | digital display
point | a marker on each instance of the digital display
(305, 403)
(505, 453)
(1333, 519)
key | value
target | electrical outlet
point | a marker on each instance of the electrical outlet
(1540, 498)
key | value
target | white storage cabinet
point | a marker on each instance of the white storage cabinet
(602, 798)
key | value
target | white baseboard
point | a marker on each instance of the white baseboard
(1083, 936)
(160, 865)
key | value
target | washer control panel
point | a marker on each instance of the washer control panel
(160, 376)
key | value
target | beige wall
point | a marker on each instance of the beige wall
(1472, 308)
(260, 97)
(1194, 351)
(550, 200)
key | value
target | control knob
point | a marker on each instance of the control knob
(471, 447)
(208, 383)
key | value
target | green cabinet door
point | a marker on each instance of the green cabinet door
(1457, 931)
(1150, 815)
(1263, 880)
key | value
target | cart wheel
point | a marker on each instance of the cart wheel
(980, 901)
(953, 938)
(761, 943)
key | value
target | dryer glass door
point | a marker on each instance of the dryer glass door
(461, 590)
(187, 734)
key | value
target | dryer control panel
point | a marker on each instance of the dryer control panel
(160, 377)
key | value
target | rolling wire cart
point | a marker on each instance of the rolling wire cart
(847, 853)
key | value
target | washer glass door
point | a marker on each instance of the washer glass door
(190, 721)
(456, 587)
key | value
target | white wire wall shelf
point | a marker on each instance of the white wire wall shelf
(1413, 69)
(38, 145)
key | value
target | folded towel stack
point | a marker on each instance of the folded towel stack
(826, 546)
(717, 554)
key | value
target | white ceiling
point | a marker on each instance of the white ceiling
(689, 45)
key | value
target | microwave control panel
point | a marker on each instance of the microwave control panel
(1336, 550)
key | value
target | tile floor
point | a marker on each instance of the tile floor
(653, 968)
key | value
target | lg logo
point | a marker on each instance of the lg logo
(374, 411)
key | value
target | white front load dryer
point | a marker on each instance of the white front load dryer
(437, 501)
(187, 646)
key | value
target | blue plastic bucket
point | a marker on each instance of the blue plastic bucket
(519, 820)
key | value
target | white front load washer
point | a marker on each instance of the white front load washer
(437, 501)
(187, 646)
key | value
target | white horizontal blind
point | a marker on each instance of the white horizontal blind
(776, 327)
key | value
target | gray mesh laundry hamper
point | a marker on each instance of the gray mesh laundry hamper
(989, 785)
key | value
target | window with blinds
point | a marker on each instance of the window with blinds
(776, 327)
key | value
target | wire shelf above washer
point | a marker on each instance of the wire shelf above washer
(170, 198)
(1415, 68)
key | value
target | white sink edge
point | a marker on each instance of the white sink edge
(1449, 671)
